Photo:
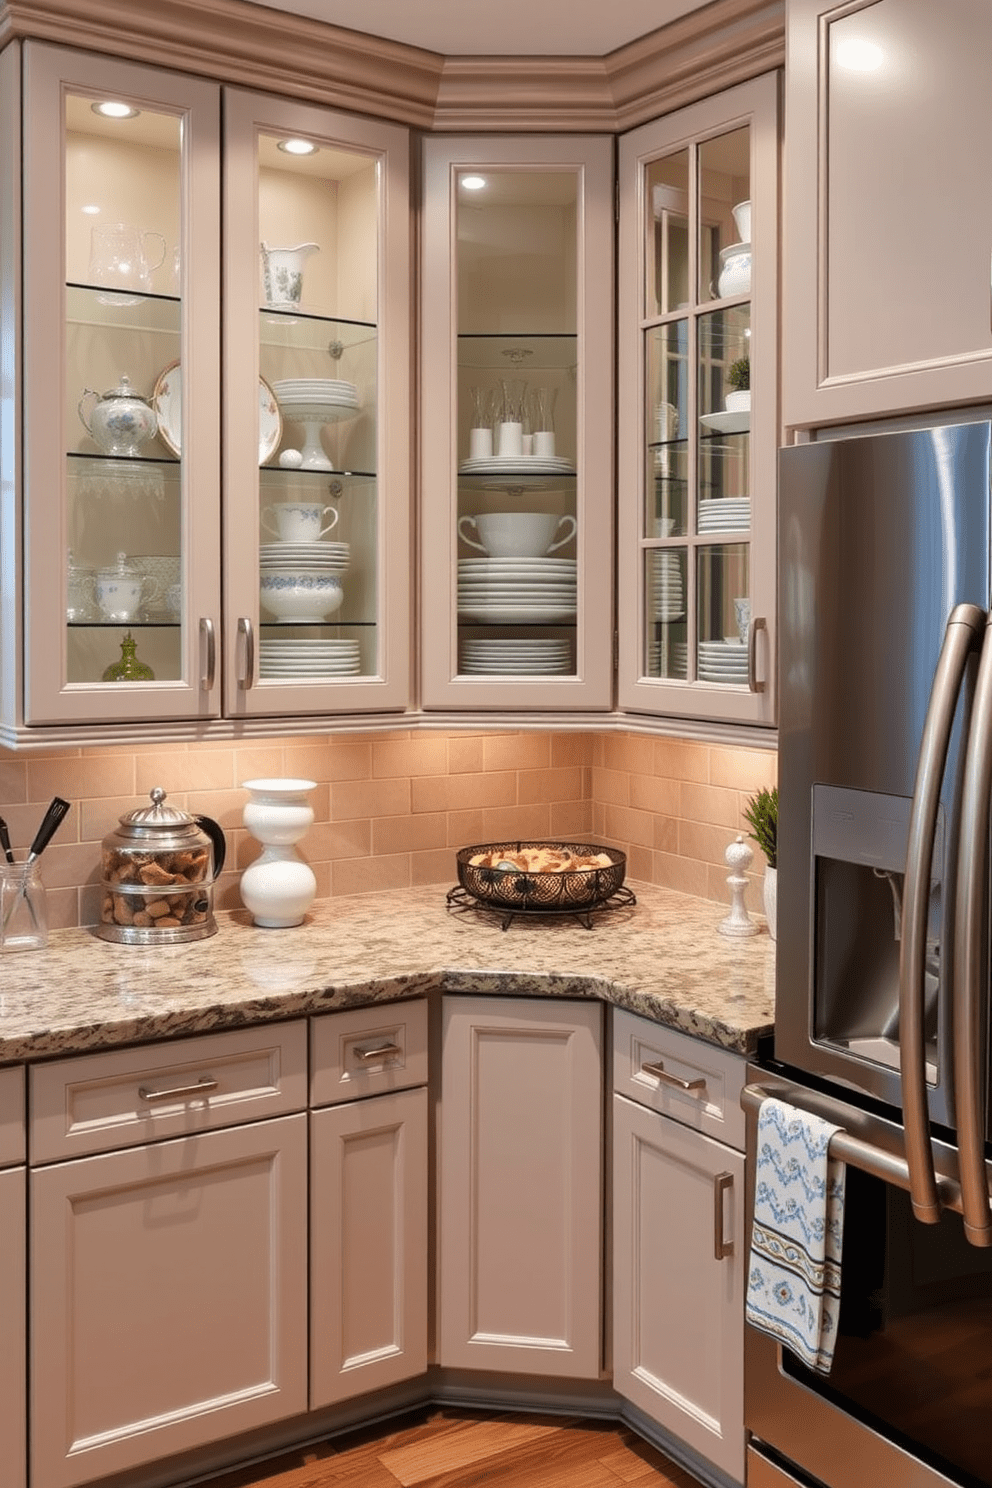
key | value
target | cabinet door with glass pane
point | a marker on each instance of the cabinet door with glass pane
(317, 418)
(517, 423)
(698, 409)
(121, 463)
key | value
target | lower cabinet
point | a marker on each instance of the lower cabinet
(13, 1281)
(678, 1242)
(521, 1204)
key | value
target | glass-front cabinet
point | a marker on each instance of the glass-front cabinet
(215, 371)
(697, 433)
(517, 389)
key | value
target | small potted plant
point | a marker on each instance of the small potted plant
(738, 400)
(761, 813)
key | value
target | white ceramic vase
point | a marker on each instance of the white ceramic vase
(769, 891)
(278, 888)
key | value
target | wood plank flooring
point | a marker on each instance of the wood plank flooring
(442, 1447)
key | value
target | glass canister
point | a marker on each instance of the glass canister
(159, 868)
(23, 907)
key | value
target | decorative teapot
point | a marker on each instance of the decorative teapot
(159, 869)
(282, 274)
(120, 421)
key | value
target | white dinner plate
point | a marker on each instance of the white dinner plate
(727, 423)
(167, 401)
(517, 465)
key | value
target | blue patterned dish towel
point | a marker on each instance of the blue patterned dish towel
(793, 1290)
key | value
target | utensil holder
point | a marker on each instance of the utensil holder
(23, 908)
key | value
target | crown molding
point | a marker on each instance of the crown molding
(252, 46)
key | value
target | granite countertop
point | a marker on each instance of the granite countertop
(663, 958)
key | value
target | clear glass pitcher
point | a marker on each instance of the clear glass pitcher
(118, 259)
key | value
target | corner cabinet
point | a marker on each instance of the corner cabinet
(155, 587)
(516, 419)
(698, 409)
(886, 303)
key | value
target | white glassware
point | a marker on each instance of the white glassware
(509, 440)
(517, 534)
(299, 521)
(121, 589)
(279, 887)
(282, 274)
(163, 571)
(742, 220)
(300, 597)
(118, 261)
(80, 592)
(119, 421)
(23, 907)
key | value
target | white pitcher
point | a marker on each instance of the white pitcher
(282, 274)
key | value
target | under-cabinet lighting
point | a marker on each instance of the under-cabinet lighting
(112, 109)
(474, 183)
(859, 56)
(297, 146)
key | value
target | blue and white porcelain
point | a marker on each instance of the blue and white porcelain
(300, 597)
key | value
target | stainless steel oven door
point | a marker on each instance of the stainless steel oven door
(908, 1400)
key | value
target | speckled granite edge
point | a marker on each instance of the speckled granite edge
(663, 959)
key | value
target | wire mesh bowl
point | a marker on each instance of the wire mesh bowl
(508, 885)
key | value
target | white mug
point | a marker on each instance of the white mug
(299, 521)
(517, 534)
(121, 590)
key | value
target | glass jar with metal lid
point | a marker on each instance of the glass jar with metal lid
(159, 869)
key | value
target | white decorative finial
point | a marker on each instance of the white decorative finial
(738, 858)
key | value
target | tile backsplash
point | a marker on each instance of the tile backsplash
(391, 808)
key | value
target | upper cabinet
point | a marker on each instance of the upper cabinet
(698, 408)
(516, 423)
(160, 580)
(888, 221)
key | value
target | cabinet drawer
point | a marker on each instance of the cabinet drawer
(100, 1102)
(11, 1117)
(682, 1077)
(345, 1062)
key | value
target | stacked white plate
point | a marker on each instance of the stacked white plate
(328, 397)
(304, 557)
(666, 588)
(516, 591)
(677, 655)
(514, 464)
(286, 659)
(726, 514)
(723, 661)
(516, 658)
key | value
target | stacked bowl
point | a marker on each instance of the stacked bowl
(300, 574)
(314, 402)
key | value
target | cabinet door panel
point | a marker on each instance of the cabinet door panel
(13, 1354)
(521, 1231)
(168, 1298)
(368, 1292)
(678, 1311)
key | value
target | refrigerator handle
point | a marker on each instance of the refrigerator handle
(965, 628)
(969, 952)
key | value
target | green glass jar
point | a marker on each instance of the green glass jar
(129, 668)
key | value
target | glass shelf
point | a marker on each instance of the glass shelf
(305, 330)
(517, 355)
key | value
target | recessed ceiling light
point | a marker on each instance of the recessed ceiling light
(473, 183)
(111, 109)
(297, 146)
(859, 56)
(91, 211)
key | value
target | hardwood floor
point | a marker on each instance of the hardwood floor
(453, 1448)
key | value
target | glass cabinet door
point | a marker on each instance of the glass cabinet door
(317, 432)
(516, 418)
(121, 465)
(697, 458)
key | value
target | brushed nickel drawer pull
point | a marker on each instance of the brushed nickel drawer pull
(384, 1051)
(178, 1092)
(660, 1073)
(722, 1248)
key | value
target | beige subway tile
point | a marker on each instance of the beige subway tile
(264, 762)
(747, 770)
(427, 755)
(471, 792)
(301, 759)
(630, 826)
(710, 804)
(370, 875)
(93, 775)
(717, 889)
(681, 759)
(97, 818)
(62, 907)
(430, 793)
(322, 873)
(465, 755)
(184, 770)
(369, 798)
(434, 868)
(654, 793)
(640, 864)
(517, 751)
(68, 865)
(89, 899)
(327, 841)
(598, 819)
(684, 875)
(706, 843)
(666, 834)
(610, 787)
(397, 834)
(517, 823)
(563, 784)
(24, 821)
(571, 820)
(572, 749)
(13, 781)
(631, 752)
(466, 828)
(347, 760)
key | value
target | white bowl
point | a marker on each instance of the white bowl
(735, 270)
(306, 598)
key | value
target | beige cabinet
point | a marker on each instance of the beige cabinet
(168, 1289)
(888, 227)
(698, 408)
(516, 419)
(520, 1187)
(678, 1239)
(13, 1279)
(135, 385)
(368, 1201)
